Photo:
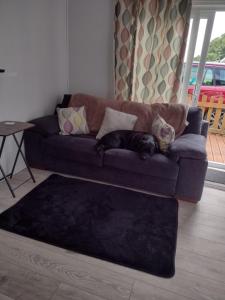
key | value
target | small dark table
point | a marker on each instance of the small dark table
(8, 128)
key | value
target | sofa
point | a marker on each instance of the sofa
(180, 173)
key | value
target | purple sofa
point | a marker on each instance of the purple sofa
(180, 174)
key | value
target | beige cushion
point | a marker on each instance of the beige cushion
(72, 120)
(116, 120)
(164, 132)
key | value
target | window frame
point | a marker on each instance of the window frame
(197, 14)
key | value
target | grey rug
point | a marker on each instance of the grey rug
(118, 225)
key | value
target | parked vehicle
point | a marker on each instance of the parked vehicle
(213, 84)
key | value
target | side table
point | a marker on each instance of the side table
(10, 128)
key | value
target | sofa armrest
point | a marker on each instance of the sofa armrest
(188, 146)
(204, 128)
(46, 126)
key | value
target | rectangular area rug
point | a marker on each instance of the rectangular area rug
(114, 224)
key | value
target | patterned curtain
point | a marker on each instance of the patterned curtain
(150, 41)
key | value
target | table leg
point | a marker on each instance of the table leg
(16, 158)
(2, 145)
(5, 177)
(1, 169)
(19, 151)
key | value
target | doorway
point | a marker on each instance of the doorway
(204, 81)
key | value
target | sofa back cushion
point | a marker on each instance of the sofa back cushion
(194, 118)
(174, 114)
(95, 108)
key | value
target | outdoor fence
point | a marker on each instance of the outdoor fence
(213, 109)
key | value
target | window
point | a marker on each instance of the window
(220, 76)
(193, 78)
(208, 77)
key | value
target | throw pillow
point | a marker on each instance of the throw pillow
(116, 120)
(164, 133)
(72, 120)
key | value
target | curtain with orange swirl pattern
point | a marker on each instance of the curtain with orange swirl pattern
(150, 41)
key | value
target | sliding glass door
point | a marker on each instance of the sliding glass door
(204, 80)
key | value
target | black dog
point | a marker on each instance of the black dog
(143, 143)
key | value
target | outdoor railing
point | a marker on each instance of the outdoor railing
(213, 109)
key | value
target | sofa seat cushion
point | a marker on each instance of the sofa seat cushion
(157, 165)
(73, 148)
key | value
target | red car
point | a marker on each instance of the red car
(213, 83)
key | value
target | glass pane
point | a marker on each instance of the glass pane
(216, 50)
(220, 76)
(197, 53)
(215, 93)
(208, 77)
(193, 78)
(200, 39)
(188, 40)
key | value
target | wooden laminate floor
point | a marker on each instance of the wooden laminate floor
(33, 270)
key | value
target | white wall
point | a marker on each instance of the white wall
(34, 52)
(91, 47)
(41, 65)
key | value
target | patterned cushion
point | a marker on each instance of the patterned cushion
(72, 120)
(164, 132)
(116, 120)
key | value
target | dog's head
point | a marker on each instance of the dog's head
(108, 141)
(147, 146)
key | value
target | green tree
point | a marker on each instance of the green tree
(197, 58)
(216, 50)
